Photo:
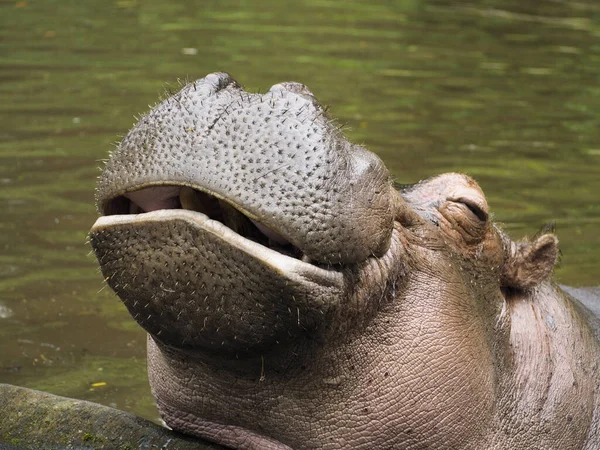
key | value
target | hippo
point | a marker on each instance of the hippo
(296, 298)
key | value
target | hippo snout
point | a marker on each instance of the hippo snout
(228, 216)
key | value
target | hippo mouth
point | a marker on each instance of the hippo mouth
(177, 197)
(196, 272)
(206, 210)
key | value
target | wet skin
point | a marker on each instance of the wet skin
(295, 299)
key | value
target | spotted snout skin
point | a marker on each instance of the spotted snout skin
(275, 156)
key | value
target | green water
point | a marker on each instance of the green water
(506, 91)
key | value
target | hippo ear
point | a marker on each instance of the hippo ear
(530, 263)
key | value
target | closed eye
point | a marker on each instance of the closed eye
(476, 210)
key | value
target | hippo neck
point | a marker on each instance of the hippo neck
(545, 371)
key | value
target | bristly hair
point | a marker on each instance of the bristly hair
(183, 83)
(549, 227)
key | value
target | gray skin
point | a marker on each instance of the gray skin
(294, 299)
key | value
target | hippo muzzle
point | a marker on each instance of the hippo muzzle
(228, 216)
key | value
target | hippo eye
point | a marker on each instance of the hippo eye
(475, 209)
(467, 216)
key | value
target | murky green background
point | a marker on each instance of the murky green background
(507, 91)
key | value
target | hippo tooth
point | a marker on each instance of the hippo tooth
(189, 199)
(306, 259)
(270, 234)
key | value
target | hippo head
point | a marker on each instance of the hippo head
(293, 297)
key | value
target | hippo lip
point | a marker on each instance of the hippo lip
(202, 210)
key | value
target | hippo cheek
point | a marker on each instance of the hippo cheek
(195, 284)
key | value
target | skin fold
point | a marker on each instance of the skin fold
(295, 299)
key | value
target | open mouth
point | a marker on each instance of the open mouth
(201, 274)
(169, 197)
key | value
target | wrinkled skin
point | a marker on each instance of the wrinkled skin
(294, 299)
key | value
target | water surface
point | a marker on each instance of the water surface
(504, 91)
